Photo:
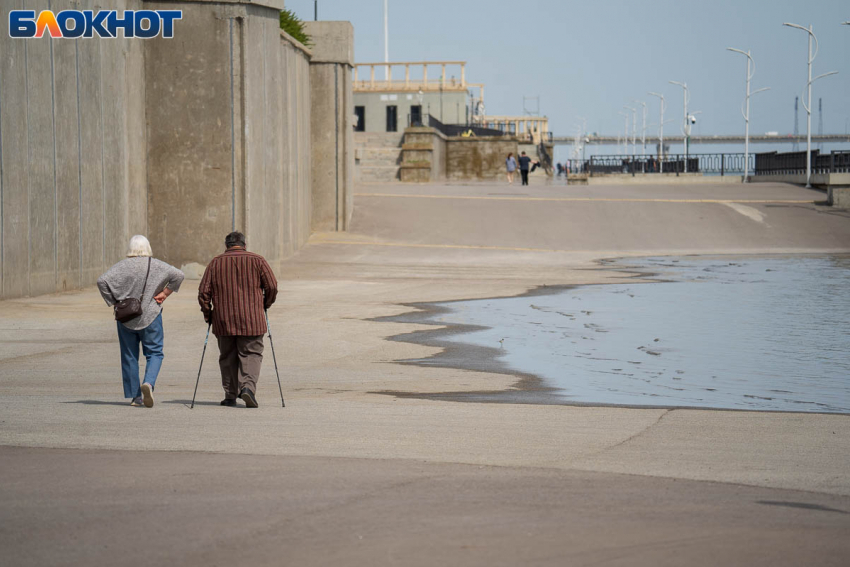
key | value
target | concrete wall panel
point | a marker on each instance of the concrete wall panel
(331, 125)
(67, 132)
(41, 160)
(188, 95)
(92, 255)
(14, 165)
(477, 158)
(182, 140)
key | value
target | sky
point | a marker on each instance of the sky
(590, 58)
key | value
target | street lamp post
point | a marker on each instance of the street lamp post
(634, 131)
(626, 138)
(751, 70)
(661, 132)
(807, 104)
(643, 130)
(686, 125)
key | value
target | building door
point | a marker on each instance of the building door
(416, 115)
(360, 113)
(392, 118)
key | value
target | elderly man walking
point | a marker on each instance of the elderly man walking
(237, 287)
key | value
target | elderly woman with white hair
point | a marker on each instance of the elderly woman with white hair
(136, 288)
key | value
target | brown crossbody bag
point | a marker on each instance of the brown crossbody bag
(131, 307)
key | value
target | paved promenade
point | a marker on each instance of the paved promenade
(348, 475)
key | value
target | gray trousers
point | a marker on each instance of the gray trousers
(240, 360)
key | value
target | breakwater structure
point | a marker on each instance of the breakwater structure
(232, 124)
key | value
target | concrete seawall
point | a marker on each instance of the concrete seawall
(72, 154)
(181, 139)
(228, 134)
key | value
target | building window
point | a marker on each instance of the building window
(360, 113)
(392, 118)
(416, 115)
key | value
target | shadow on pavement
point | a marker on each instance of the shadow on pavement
(188, 403)
(99, 403)
(803, 505)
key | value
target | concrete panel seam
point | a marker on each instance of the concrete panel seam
(102, 161)
(79, 154)
(55, 187)
(27, 128)
(232, 140)
(2, 232)
(336, 142)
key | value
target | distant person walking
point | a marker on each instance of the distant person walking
(237, 287)
(139, 277)
(510, 164)
(524, 164)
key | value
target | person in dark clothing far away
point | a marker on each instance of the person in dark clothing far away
(524, 164)
(237, 287)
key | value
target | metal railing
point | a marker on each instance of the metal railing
(456, 129)
(794, 163)
(706, 164)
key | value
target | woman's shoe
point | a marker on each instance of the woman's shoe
(137, 402)
(228, 402)
(147, 395)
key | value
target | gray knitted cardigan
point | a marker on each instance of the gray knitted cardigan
(126, 279)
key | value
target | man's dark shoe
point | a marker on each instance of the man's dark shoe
(248, 397)
(226, 402)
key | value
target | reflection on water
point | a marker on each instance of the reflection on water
(763, 334)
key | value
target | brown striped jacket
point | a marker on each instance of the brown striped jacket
(237, 286)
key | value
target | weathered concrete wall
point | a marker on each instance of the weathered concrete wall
(478, 158)
(332, 124)
(839, 197)
(228, 134)
(424, 155)
(180, 139)
(72, 153)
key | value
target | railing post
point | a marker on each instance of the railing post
(591, 166)
(832, 161)
(677, 166)
(722, 164)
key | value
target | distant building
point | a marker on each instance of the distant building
(391, 105)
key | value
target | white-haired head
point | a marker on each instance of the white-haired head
(139, 246)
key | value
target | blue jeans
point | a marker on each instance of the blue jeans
(152, 339)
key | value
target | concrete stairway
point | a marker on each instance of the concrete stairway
(377, 156)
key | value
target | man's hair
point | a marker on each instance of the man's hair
(523, 153)
(234, 239)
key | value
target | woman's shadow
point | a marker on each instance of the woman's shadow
(186, 403)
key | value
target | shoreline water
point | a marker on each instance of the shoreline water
(535, 387)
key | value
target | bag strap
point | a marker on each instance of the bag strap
(146, 279)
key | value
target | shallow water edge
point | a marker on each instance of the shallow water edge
(532, 388)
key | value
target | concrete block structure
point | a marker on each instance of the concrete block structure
(332, 124)
(181, 139)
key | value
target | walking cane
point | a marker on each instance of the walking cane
(271, 342)
(201, 366)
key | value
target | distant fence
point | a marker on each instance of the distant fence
(707, 164)
(794, 163)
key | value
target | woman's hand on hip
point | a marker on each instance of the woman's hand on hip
(161, 296)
